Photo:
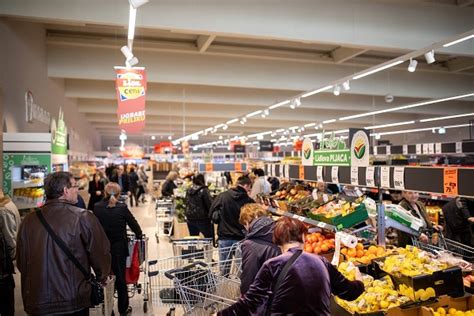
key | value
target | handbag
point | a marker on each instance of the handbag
(280, 278)
(97, 290)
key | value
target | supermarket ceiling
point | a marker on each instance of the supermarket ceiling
(211, 61)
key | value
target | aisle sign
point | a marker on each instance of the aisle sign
(281, 167)
(131, 87)
(385, 177)
(319, 174)
(431, 148)
(405, 149)
(301, 172)
(335, 174)
(450, 178)
(355, 175)
(59, 135)
(388, 150)
(418, 149)
(369, 176)
(399, 178)
(458, 147)
(438, 148)
(376, 152)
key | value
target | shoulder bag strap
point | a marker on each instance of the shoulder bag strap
(62, 245)
(280, 278)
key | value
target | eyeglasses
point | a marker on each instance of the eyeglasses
(75, 186)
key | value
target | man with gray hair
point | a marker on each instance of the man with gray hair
(50, 282)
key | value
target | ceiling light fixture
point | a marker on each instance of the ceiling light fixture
(274, 106)
(409, 106)
(153, 137)
(412, 65)
(169, 137)
(225, 127)
(459, 40)
(309, 124)
(292, 105)
(254, 113)
(389, 125)
(232, 121)
(308, 94)
(377, 136)
(421, 129)
(346, 85)
(337, 90)
(377, 69)
(429, 56)
(281, 130)
(442, 130)
(298, 102)
(329, 121)
(446, 117)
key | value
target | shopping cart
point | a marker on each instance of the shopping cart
(107, 307)
(164, 212)
(201, 291)
(163, 291)
(439, 244)
(138, 258)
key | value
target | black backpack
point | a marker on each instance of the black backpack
(6, 262)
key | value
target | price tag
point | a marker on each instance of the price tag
(287, 171)
(314, 194)
(325, 198)
(369, 176)
(399, 178)
(425, 149)
(354, 175)
(418, 149)
(300, 218)
(335, 174)
(458, 147)
(209, 167)
(438, 148)
(405, 149)
(238, 166)
(388, 150)
(375, 151)
(301, 172)
(319, 174)
(450, 178)
(273, 166)
(282, 167)
(322, 225)
(431, 148)
(385, 177)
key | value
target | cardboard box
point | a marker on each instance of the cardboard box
(338, 310)
(461, 303)
(180, 230)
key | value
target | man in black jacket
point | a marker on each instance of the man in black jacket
(198, 203)
(225, 211)
(121, 177)
(458, 218)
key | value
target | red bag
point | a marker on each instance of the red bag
(133, 273)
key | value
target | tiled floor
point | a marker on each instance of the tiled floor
(145, 215)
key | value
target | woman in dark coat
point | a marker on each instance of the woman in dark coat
(169, 185)
(257, 247)
(114, 217)
(96, 191)
(305, 289)
(198, 203)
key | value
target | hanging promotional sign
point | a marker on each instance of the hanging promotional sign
(307, 158)
(332, 152)
(359, 140)
(265, 145)
(59, 135)
(131, 85)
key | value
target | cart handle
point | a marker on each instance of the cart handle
(170, 273)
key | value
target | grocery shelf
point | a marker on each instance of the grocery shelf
(303, 219)
(26, 184)
(22, 206)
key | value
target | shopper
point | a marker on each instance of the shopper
(142, 183)
(114, 217)
(121, 178)
(133, 186)
(169, 185)
(198, 204)
(9, 224)
(417, 209)
(225, 211)
(96, 191)
(257, 247)
(50, 282)
(275, 183)
(305, 288)
(458, 220)
(260, 184)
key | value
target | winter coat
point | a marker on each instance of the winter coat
(257, 248)
(198, 203)
(305, 290)
(167, 188)
(456, 214)
(142, 178)
(125, 182)
(404, 238)
(133, 181)
(227, 205)
(50, 282)
(93, 188)
(114, 220)
(9, 225)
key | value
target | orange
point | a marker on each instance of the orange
(344, 251)
(308, 248)
(360, 246)
(317, 250)
(380, 251)
(360, 253)
(324, 248)
(372, 249)
(351, 253)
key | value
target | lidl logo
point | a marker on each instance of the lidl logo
(307, 153)
(359, 148)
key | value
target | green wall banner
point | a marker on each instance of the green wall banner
(59, 135)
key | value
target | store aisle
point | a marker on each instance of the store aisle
(145, 215)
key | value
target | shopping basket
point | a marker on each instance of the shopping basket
(201, 291)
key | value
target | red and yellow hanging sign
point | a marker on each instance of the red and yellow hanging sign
(131, 92)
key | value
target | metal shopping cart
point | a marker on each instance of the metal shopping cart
(163, 291)
(201, 291)
(138, 258)
(164, 212)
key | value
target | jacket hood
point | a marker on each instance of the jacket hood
(261, 228)
(238, 193)
(195, 189)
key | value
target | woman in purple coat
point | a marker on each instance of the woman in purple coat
(307, 286)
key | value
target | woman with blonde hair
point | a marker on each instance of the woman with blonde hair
(169, 185)
(114, 217)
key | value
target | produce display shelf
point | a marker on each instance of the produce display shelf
(23, 206)
(26, 184)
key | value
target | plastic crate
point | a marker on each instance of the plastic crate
(358, 216)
